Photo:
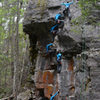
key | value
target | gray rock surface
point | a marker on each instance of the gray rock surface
(80, 47)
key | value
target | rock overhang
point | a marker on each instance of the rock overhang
(38, 24)
(37, 27)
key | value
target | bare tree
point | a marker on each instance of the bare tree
(16, 57)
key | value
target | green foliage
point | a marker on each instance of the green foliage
(77, 21)
(98, 24)
(88, 7)
(42, 4)
(3, 91)
(8, 14)
(76, 30)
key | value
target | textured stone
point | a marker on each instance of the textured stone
(79, 76)
(71, 65)
(48, 77)
(48, 90)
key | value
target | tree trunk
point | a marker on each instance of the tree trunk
(16, 57)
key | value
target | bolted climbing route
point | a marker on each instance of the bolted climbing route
(59, 24)
(47, 61)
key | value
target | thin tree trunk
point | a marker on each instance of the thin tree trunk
(12, 50)
(16, 57)
(5, 76)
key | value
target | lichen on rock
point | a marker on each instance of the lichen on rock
(79, 45)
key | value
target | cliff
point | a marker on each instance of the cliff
(79, 43)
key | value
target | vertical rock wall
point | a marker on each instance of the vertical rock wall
(79, 67)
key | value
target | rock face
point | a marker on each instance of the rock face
(79, 44)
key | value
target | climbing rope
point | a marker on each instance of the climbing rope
(59, 25)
